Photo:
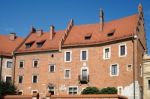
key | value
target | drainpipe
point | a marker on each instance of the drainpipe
(1, 63)
(14, 65)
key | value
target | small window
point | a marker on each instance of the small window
(72, 90)
(40, 44)
(34, 79)
(88, 36)
(51, 90)
(34, 91)
(21, 64)
(67, 74)
(111, 33)
(122, 50)
(29, 44)
(84, 55)
(20, 92)
(148, 84)
(8, 79)
(51, 68)
(114, 70)
(68, 56)
(35, 63)
(106, 53)
(120, 90)
(129, 67)
(9, 64)
(20, 79)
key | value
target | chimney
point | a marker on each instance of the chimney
(52, 32)
(33, 30)
(39, 32)
(12, 36)
(101, 16)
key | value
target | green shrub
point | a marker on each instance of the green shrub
(90, 90)
(108, 90)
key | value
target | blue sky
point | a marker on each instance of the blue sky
(19, 15)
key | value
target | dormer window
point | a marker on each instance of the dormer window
(29, 44)
(40, 43)
(88, 36)
(111, 33)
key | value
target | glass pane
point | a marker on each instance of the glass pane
(114, 70)
(52, 68)
(83, 55)
(67, 56)
(9, 64)
(107, 53)
(122, 50)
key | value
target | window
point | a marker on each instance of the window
(8, 78)
(148, 84)
(120, 90)
(51, 68)
(51, 90)
(67, 74)
(40, 44)
(9, 64)
(29, 44)
(20, 79)
(114, 70)
(34, 91)
(129, 67)
(35, 63)
(84, 55)
(68, 56)
(21, 64)
(88, 36)
(34, 79)
(106, 53)
(72, 90)
(122, 50)
(84, 74)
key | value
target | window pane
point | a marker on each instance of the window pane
(9, 64)
(35, 64)
(8, 79)
(51, 68)
(114, 70)
(67, 72)
(107, 53)
(84, 55)
(72, 90)
(34, 79)
(84, 74)
(21, 64)
(20, 79)
(122, 49)
(67, 56)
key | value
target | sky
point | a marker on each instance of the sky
(19, 15)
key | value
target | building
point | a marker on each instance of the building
(105, 54)
(146, 76)
(8, 44)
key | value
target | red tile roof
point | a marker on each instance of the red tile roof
(123, 27)
(7, 46)
(48, 44)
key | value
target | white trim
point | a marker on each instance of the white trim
(34, 61)
(128, 67)
(86, 54)
(23, 63)
(50, 66)
(125, 50)
(8, 60)
(37, 79)
(69, 74)
(70, 56)
(117, 69)
(72, 87)
(109, 54)
(7, 76)
(119, 87)
(84, 68)
(141, 70)
(34, 90)
(54, 89)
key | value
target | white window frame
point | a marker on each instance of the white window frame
(70, 56)
(117, 70)
(50, 67)
(120, 49)
(86, 69)
(72, 87)
(22, 79)
(37, 79)
(120, 87)
(7, 76)
(23, 64)
(34, 61)
(128, 68)
(109, 54)
(34, 90)
(69, 74)
(8, 60)
(86, 54)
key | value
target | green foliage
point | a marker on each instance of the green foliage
(94, 90)
(90, 90)
(108, 90)
(7, 88)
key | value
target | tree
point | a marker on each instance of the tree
(7, 88)
(90, 90)
(108, 90)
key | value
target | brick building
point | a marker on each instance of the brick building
(8, 43)
(105, 54)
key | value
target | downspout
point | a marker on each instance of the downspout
(14, 65)
(1, 68)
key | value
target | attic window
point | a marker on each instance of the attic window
(111, 33)
(40, 43)
(88, 36)
(29, 44)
